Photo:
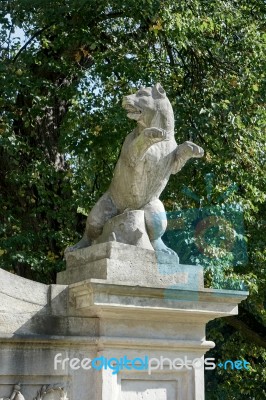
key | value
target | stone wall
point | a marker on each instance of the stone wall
(109, 317)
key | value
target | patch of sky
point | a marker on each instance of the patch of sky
(13, 32)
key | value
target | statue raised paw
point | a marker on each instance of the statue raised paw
(148, 157)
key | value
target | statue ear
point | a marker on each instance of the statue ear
(158, 91)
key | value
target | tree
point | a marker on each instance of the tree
(62, 125)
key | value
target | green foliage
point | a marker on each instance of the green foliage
(232, 384)
(61, 128)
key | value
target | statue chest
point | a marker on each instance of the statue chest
(159, 156)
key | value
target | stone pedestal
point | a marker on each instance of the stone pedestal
(126, 264)
(162, 324)
(119, 308)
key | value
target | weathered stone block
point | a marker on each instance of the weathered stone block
(122, 263)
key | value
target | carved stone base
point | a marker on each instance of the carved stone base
(122, 263)
(128, 228)
(99, 319)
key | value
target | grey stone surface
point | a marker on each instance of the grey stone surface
(96, 318)
(128, 227)
(46, 392)
(148, 157)
(122, 263)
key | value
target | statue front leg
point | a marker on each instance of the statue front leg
(184, 152)
(145, 140)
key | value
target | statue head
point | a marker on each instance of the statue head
(150, 107)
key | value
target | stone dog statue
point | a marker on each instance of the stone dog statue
(148, 157)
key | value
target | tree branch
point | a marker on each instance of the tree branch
(201, 137)
(111, 15)
(36, 34)
(169, 51)
(246, 331)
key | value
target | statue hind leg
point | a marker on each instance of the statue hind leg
(156, 224)
(103, 210)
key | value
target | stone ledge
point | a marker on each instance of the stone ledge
(113, 250)
(114, 342)
(102, 299)
(122, 263)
